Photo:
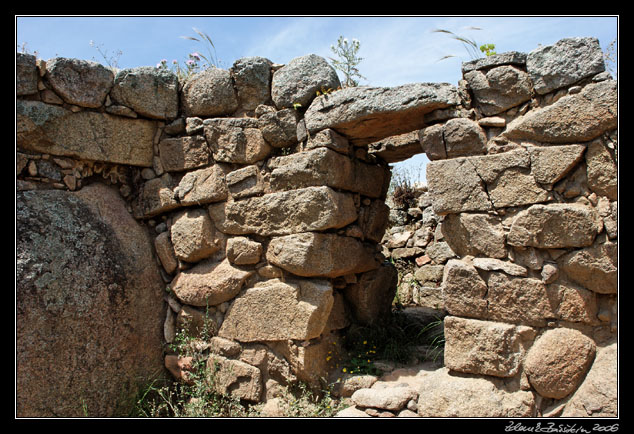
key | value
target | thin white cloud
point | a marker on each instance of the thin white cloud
(290, 38)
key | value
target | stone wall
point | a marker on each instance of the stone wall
(527, 191)
(265, 208)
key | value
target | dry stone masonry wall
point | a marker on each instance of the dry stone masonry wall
(260, 211)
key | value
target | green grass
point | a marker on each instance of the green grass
(394, 340)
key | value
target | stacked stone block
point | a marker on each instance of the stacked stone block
(533, 187)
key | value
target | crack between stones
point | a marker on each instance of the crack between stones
(484, 186)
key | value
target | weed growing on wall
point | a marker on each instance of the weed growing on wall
(111, 59)
(474, 50)
(610, 56)
(196, 61)
(347, 60)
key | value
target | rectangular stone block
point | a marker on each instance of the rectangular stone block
(155, 197)
(509, 179)
(323, 166)
(317, 254)
(286, 212)
(85, 135)
(483, 347)
(183, 153)
(245, 182)
(202, 186)
(501, 297)
(275, 311)
(236, 140)
(555, 226)
(456, 187)
(365, 115)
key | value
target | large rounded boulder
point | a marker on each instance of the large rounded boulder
(89, 304)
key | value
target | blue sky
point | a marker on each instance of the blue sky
(395, 49)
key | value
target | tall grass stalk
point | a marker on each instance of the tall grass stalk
(474, 50)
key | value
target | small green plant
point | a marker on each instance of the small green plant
(347, 60)
(393, 340)
(300, 400)
(325, 91)
(473, 49)
(488, 49)
(433, 335)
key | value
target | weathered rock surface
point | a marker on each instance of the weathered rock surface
(475, 234)
(443, 394)
(236, 140)
(297, 82)
(388, 398)
(502, 297)
(165, 252)
(150, 92)
(464, 290)
(329, 138)
(594, 267)
(485, 63)
(483, 347)
(274, 310)
(602, 170)
(574, 118)
(549, 164)
(282, 213)
(371, 296)
(463, 137)
(456, 187)
(209, 93)
(558, 361)
(554, 226)
(500, 88)
(323, 166)
(193, 235)
(518, 300)
(270, 220)
(89, 304)
(234, 377)
(252, 78)
(564, 63)
(373, 220)
(365, 115)
(597, 395)
(209, 283)
(396, 148)
(316, 254)
(243, 251)
(25, 74)
(491, 264)
(202, 186)
(55, 130)
(156, 196)
(245, 182)
(80, 82)
(183, 153)
(279, 128)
